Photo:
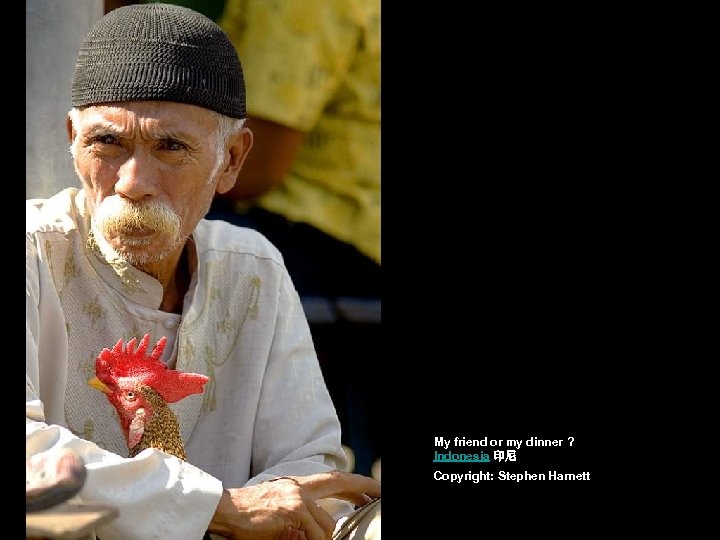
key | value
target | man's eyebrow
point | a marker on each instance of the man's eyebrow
(101, 128)
(153, 132)
(159, 133)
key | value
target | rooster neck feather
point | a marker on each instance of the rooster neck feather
(162, 430)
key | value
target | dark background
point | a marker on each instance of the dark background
(507, 308)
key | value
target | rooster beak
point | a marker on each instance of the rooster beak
(98, 385)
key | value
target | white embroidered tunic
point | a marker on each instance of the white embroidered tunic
(265, 410)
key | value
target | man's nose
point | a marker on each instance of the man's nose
(137, 177)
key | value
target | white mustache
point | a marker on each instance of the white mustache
(115, 215)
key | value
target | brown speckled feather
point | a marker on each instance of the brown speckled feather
(163, 431)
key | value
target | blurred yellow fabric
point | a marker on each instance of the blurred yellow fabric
(314, 65)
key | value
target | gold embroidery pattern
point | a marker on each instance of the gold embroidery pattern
(215, 293)
(87, 367)
(207, 340)
(187, 350)
(229, 321)
(54, 251)
(94, 311)
(209, 394)
(224, 326)
(254, 296)
(49, 257)
(88, 430)
(71, 270)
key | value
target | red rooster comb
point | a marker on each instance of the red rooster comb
(111, 365)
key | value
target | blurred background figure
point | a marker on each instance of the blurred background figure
(53, 34)
(312, 182)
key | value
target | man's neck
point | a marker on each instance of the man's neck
(176, 283)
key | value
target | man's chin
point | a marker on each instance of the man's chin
(123, 242)
(139, 251)
(141, 258)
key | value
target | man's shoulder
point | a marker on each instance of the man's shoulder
(221, 236)
(57, 213)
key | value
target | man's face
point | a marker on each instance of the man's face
(150, 170)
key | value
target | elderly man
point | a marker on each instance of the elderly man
(156, 129)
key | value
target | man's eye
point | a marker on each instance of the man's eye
(106, 139)
(171, 145)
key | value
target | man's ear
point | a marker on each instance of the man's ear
(70, 128)
(240, 145)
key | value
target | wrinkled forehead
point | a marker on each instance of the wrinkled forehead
(148, 115)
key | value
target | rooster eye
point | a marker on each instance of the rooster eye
(130, 395)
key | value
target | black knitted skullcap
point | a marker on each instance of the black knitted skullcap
(147, 52)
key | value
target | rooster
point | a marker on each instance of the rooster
(139, 387)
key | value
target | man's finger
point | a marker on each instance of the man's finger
(292, 534)
(313, 530)
(341, 485)
(358, 499)
(323, 519)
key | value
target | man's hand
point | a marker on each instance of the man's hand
(52, 477)
(286, 507)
